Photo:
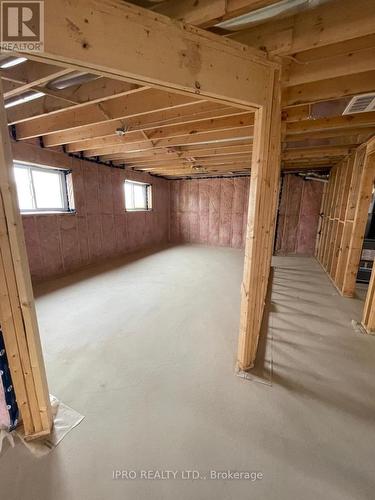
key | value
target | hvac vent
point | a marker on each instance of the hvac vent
(360, 104)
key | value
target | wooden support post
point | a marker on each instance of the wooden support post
(17, 311)
(265, 173)
(360, 218)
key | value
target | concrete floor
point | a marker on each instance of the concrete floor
(145, 349)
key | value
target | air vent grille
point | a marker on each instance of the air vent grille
(360, 104)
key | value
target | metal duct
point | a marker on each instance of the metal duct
(314, 176)
(73, 78)
(284, 8)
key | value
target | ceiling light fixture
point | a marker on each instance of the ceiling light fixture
(11, 61)
(21, 99)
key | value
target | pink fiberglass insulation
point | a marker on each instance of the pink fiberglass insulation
(209, 211)
(100, 228)
(298, 215)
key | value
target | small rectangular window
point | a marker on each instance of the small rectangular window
(41, 189)
(137, 196)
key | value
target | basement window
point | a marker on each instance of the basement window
(43, 189)
(138, 196)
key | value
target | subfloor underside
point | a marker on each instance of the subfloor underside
(145, 347)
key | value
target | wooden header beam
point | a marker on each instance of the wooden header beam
(155, 50)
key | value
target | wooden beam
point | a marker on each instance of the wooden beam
(330, 23)
(265, 172)
(246, 160)
(214, 137)
(206, 13)
(179, 115)
(340, 140)
(331, 133)
(368, 317)
(30, 74)
(179, 56)
(96, 91)
(335, 88)
(317, 152)
(190, 167)
(138, 102)
(185, 151)
(366, 186)
(168, 131)
(188, 170)
(17, 311)
(300, 73)
(338, 122)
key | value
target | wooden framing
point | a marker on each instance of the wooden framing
(318, 27)
(368, 318)
(174, 58)
(345, 207)
(206, 13)
(17, 311)
(265, 173)
(180, 58)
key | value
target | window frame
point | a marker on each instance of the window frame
(66, 189)
(148, 188)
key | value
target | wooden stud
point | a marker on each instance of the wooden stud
(345, 207)
(359, 223)
(17, 310)
(368, 318)
(265, 172)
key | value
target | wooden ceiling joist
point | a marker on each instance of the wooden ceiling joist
(140, 101)
(323, 67)
(330, 152)
(186, 151)
(180, 115)
(300, 73)
(330, 23)
(30, 74)
(330, 89)
(213, 137)
(340, 122)
(91, 92)
(192, 128)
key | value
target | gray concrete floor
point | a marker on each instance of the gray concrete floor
(145, 349)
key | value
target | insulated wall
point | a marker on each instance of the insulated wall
(209, 211)
(298, 217)
(100, 228)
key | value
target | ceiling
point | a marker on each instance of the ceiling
(326, 59)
